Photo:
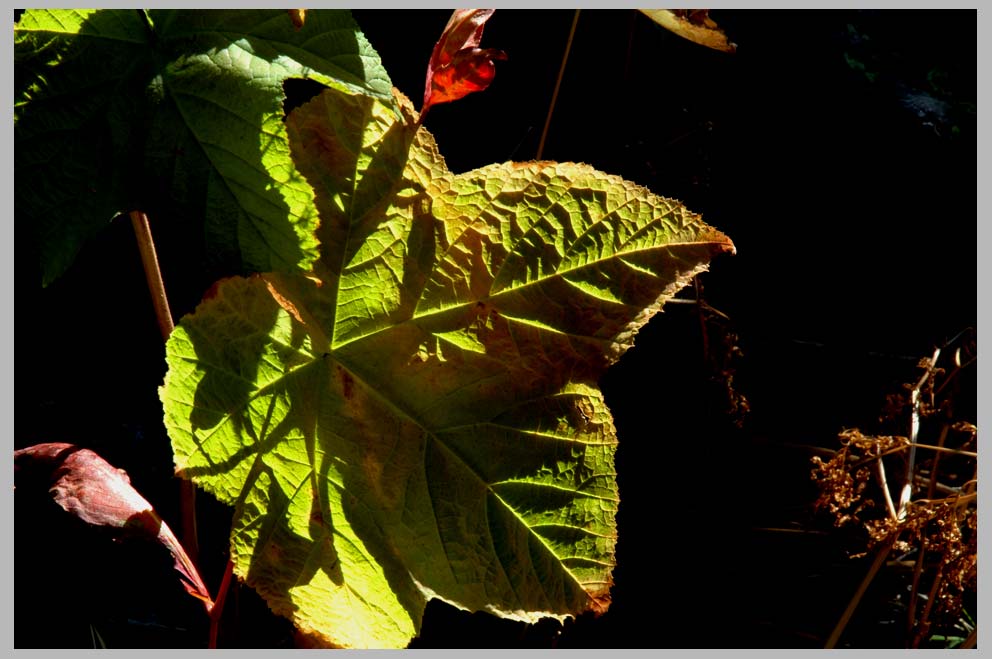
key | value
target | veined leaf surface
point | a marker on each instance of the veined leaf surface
(178, 114)
(419, 417)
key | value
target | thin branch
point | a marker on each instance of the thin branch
(939, 488)
(950, 377)
(958, 364)
(972, 639)
(924, 625)
(957, 499)
(944, 449)
(899, 449)
(702, 319)
(773, 529)
(885, 491)
(883, 553)
(914, 433)
(936, 460)
(914, 593)
(554, 94)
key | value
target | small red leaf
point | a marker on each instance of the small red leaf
(93, 490)
(458, 66)
(298, 17)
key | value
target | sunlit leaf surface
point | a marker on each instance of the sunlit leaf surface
(419, 416)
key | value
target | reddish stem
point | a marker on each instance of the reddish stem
(218, 608)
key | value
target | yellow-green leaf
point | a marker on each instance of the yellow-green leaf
(419, 417)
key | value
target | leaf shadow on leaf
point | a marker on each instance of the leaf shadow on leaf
(250, 227)
(212, 155)
(263, 442)
(284, 548)
(262, 508)
(238, 366)
(352, 197)
(270, 34)
(177, 114)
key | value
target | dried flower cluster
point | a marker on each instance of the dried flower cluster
(937, 527)
(844, 480)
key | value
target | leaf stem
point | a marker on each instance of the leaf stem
(153, 274)
(156, 288)
(554, 95)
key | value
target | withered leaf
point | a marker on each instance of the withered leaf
(694, 25)
(87, 486)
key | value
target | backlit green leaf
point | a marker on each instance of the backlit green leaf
(419, 416)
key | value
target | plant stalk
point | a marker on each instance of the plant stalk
(885, 490)
(156, 288)
(153, 274)
(932, 485)
(923, 627)
(914, 594)
(218, 608)
(914, 432)
(883, 553)
(554, 94)
(702, 320)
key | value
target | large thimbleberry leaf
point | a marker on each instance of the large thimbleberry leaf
(178, 114)
(419, 416)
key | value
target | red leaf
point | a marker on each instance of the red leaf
(458, 66)
(298, 17)
(90, 488)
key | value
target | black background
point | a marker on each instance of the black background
(854, 219)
